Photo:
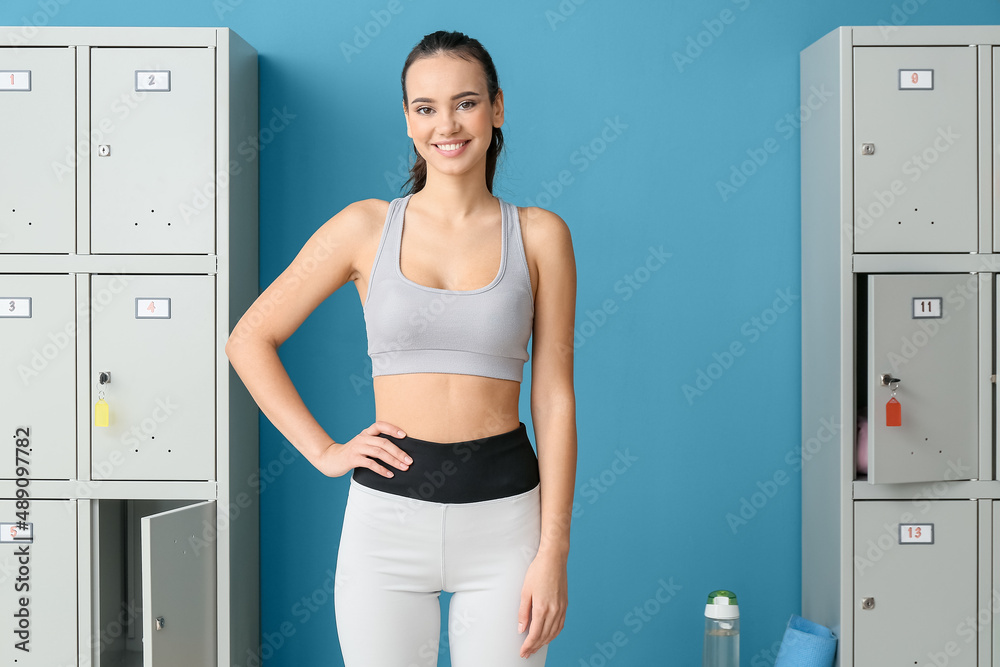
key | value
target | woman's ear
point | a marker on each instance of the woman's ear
(498, 109)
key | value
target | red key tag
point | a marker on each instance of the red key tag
(893, 413)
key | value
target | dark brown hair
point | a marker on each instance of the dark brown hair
(462, 46)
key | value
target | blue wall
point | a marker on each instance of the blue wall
(688, 366)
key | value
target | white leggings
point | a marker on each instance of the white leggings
(396, 556)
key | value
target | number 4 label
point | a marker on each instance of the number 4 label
(916, 533)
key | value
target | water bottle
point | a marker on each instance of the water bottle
(722, 631)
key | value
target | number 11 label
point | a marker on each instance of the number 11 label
(916, 533)
(926, 307)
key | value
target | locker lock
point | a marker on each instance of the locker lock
(887, 379)
(867, 603)
(104, 150)
(868, 149)
(104, 377)
(160, 622)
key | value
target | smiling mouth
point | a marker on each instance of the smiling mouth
(451, 147)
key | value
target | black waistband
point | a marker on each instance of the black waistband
(497, 466)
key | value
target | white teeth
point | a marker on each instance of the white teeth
(451, 147)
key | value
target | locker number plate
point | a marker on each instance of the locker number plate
(17, 532)
(15, 80)
(152, 80)
(15, 306)
(916, 533)
(152, 309)
(924, 307)
(916, 79)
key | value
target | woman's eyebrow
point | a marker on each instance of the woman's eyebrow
(454, 97)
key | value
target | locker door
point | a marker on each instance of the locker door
(179, 587)
(917, 191)
(152, 188)
(38, 372)
(153, 335)
(38, 136)
(916, 564)
(38, 599)
(923, 332)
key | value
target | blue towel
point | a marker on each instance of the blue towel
(806, 644)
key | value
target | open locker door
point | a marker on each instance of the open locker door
(179, 587)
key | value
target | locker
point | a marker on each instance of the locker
(38, 135)
(154, 338)
(915, 153)
(923, 332)
(38, 381)
(38, 599)
(915, 583)
(153, 170)
(155, 586)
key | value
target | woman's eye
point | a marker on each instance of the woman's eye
(423, 110)
(466, 104)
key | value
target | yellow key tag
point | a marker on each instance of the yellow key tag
(101, 416)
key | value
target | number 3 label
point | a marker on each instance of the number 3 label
(916, 533)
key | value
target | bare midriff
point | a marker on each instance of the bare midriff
(445, 407)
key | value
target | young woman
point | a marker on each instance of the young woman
(447, 493)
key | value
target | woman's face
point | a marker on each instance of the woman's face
(448, 112)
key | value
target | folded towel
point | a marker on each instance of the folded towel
(806, 644)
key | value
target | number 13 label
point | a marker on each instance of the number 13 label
(916, 533)
(15, 306)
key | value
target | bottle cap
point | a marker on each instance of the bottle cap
(722, 605)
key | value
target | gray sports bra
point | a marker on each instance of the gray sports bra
(417, 329)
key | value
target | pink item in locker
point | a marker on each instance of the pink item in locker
(862, 443)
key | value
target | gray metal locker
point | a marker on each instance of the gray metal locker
(38, 107)
(38, 567)
(153, 176)
(38, 371)
(178, 582)
(154, 337)
(915, 582)
(916, 149)
(923, 331)
(128, 227)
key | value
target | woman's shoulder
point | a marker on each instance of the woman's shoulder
(542, 228)
(358, 220)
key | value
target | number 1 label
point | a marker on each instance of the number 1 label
(15, 80)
